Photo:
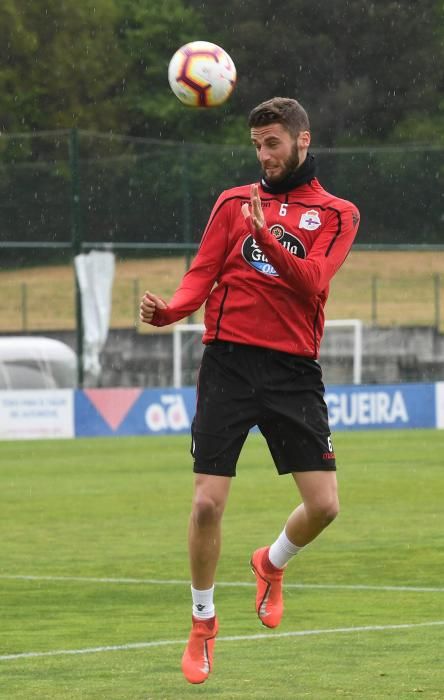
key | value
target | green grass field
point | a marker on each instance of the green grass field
(95, 600)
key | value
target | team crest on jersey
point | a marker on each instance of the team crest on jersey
(255, 257)
(310, 220)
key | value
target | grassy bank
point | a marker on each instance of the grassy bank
(382, 287)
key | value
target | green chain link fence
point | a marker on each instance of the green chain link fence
(64, 192)
(69, 188)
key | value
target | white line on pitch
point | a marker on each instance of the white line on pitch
(221, 584)
(236, 638)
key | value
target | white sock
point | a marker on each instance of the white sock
(203, 606)
(282, 550)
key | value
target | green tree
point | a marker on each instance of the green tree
(367, 73)
(361, 69)
(60, 64)
(150, 33)
(99, 66)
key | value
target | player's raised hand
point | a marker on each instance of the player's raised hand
(254, 209)
(150, 302)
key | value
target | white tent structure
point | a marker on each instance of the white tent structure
(35, 362)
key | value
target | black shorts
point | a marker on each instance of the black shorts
(241, 386)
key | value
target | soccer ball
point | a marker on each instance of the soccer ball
(202, 74)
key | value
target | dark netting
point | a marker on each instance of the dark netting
(398, 190)
(60, 188)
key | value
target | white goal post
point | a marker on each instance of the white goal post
(354, 324)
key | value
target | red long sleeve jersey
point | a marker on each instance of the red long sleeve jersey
(268, 290)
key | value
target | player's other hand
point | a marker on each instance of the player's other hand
(150, 302)
(254, 209)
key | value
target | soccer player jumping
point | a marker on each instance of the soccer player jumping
(263, 268)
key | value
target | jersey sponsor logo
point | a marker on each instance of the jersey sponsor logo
(256, 258)
(310, 220)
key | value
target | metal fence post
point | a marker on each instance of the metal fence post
(76, 239)
(374, 299)
(24, 304)
(136, 301)
(437, 285)
(186, 203)
(187, 221)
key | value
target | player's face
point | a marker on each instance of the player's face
(278, 152)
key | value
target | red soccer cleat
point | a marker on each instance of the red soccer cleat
(197, 660)
(269, 600)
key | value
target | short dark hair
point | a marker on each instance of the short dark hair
(280, 110)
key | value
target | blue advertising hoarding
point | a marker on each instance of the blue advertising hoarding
(69, 413)
(381, 406)
(170, 411)
(134, 411)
